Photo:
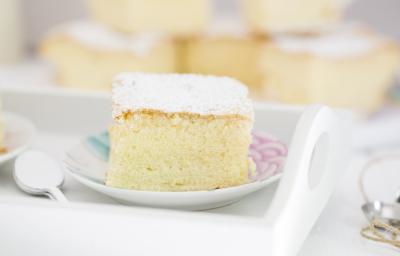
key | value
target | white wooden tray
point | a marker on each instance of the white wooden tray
(273, 221)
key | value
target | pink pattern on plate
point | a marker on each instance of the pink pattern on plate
(268, 154)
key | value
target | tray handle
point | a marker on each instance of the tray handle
(316, 157)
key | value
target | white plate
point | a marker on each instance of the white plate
(87, 163)
(18, 134)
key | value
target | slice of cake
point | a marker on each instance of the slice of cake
(179, 132)
(170, 16)
(88, 55)
(291, 15)
(348, 67)
(225, 50)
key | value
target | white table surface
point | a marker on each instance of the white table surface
(337, 231)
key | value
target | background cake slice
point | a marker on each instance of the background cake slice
(88, 55)
(349, 67)
(179, 132)
(291, 15)
(226, 49)
(171, 16)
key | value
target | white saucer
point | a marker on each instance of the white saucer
(87, 163)
(18, 134)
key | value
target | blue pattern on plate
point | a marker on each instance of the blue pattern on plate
(99, 145)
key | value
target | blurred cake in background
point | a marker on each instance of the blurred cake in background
(226, 49)
(2, 130)
(292, 51)
(88, 55)
(349, 67)
(179, 132)
(170, 16)
(291, 15)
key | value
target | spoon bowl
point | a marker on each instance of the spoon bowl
(45, 179)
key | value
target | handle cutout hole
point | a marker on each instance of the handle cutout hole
(318, 161)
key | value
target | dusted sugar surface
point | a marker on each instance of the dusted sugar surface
(341, 42)
(100, 36)
(177, 93)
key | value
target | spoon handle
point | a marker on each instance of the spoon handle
(56, 194)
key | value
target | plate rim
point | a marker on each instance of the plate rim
(72, 167)
(247, 186)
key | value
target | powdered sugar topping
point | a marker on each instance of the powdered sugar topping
(177, 93)
(102, 37)
(343, 42)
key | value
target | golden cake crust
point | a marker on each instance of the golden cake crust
(150, 112)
